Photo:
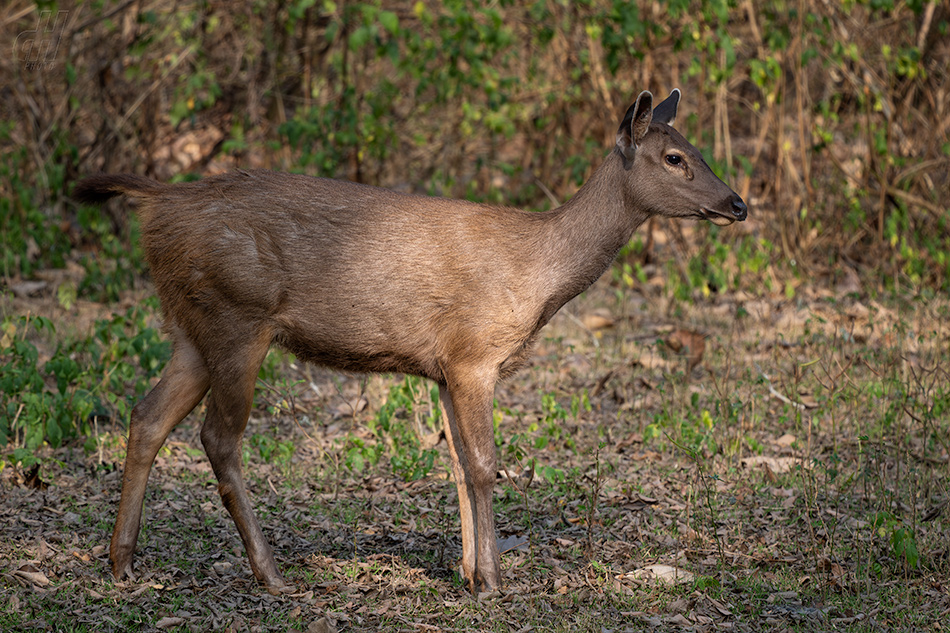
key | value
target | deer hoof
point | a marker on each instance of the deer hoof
(280, 587)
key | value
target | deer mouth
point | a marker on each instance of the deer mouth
(717, 218)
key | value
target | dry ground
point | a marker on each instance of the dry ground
(780, 461)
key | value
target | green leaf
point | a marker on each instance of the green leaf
(390, 21)
(359, 38)
(66, 295)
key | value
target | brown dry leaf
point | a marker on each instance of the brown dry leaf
(719, 606)
(28, 288)
(351, 408)
(597, 320)
(629, 440)
(679, 620)
(829, 566)
(641, 501)
(679, 606)
(650, 359)
(521, 481)
(431, 440)
(689, 344)
(187, 150)
(848, 283)
(321, 626)
(786, 440)
(29, 478)
(773, 464)
(601, 382)
(168, 622)
(32, 575)
(807, 400)
(662, 574)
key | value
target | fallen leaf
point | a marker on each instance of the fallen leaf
(431, 440)
(689, 344)
(773, 464)
(511, 543)
(351, 408)
(719, 606)
(28, 288)
(30, 478)
(679, 606)
(848, 283)
(168, 622)
(663, 574)
(629, 440)
(597, 320)
(784, 597)
(599, 386)
(489, 595)
(222, 567)
(321, 626)
(786, 440)
(32, 575)
(521, 481)
(679, 619)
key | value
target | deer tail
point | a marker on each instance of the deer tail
(99, 188)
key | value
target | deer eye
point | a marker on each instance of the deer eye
(674, 160)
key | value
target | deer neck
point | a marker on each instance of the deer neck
(586, 233)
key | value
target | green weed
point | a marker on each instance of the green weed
(85, 380)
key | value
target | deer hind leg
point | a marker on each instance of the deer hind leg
(229, 404)
(467, 404)
(184, 382)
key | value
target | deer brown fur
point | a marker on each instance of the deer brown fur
(364, 279)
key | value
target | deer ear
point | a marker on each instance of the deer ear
(635, 125)
(665, 112)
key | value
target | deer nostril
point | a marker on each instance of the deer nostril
(739, 208)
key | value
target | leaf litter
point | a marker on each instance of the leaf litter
(742, 516)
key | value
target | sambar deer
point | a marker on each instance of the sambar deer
(364, 279)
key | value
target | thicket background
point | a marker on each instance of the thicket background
(831, 119)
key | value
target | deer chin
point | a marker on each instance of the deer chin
(716, 218)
